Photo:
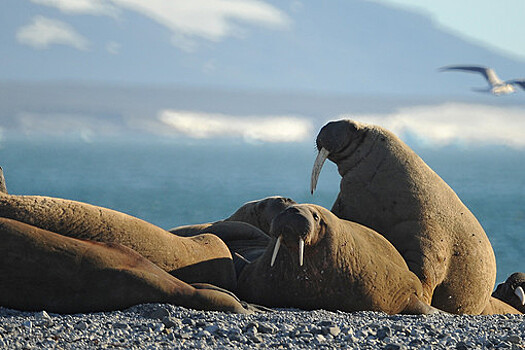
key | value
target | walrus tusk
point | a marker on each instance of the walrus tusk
(276, 249)
(519, 292)
(318, 165)
(242, 258)
(301, 251)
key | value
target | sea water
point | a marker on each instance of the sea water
(175, 182)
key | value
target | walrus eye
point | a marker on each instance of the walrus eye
(316, 217)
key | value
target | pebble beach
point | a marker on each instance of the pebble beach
(163, 326)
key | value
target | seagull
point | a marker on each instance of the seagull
(496, 85)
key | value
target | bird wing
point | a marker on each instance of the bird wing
(488, 73)
(519, 82)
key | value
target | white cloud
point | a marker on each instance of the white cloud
(113, 47)
(188, 20)
(455, 123)
(92, 7)
(43, 32)
(250, 128)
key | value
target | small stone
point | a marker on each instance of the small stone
(256, 338)
(158, 312)
(326, 323)
(235, 334)
(266, 328)
(461, 346)
(320, 338)
(158, 327)
(28, 324)
(170, 322)
(188, 321)
(513, 339)
(118, 325)
(416, 342)
(212, 329)
(334, 331)
(185, 335)
(392, 346)
(384, 332)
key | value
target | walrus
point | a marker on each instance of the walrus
(389, 188)
(245, 232)
(258, 213)
(199, 259)
(512, 291)
(330, 263)
(42, 270)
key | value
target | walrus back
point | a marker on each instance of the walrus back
(203, 258)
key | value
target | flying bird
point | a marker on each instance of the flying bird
(496, 85)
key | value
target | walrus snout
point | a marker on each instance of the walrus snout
(294, 227)
(336, 135)
(333, 138)
(512, 291)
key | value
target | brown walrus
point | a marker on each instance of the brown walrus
(340, 265)
(200, 259)
(258, 213)
(245, 231)
(512, 291)
(387, 187)
(41, 270)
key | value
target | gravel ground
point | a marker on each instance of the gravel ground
(160, 326)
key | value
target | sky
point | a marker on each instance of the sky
(497, 24)
(336, 47)
(329, 46)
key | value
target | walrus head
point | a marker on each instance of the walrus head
(260, 213)
(334, 142)
(512, 291)
(297, 226)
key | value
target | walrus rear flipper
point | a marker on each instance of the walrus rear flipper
(247, 306)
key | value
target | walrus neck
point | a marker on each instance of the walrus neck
(356, 152)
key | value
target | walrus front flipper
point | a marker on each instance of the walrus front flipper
(3, 188)
(42, 270)
(496, 306)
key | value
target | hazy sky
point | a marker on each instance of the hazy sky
(498, 24)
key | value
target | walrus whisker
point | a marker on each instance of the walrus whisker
(520, 294)
(301, 251)
(276, 249)
(318, 165)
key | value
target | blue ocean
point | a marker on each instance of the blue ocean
(172, 182)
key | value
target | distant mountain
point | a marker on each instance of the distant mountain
(85, 110)
(348, 47)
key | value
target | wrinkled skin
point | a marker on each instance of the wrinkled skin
(388, 188)
(346, 267)
(510, 293)
(199, 259)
